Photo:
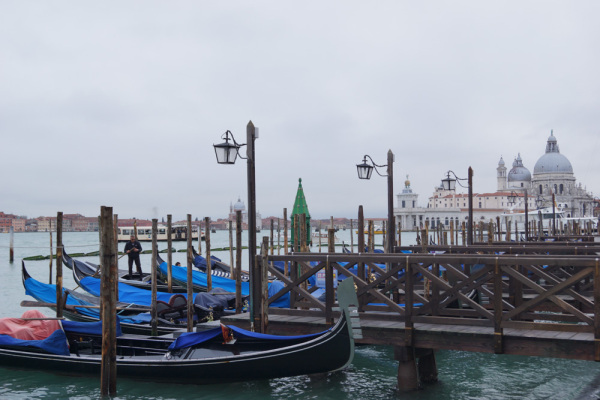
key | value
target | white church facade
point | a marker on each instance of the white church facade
(552, 175)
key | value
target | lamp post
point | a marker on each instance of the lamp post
(540, 201)
(512, 199)
(449, 183)
(364, 172)
(227, 153)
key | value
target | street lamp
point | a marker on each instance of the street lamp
(227, 153)
(540, 201)
(512, 199)
(449, 183)
(364, 172)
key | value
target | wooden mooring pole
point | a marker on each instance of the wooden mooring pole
(263, 282)
(108, 373)
(361, 249)
(170, 251)
(238, 262)
(154, 296)
(59, 274)
(190, 263)
(11, 256)
(51, 254)
(208, 262)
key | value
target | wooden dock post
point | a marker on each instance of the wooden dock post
(11, 256)
(278, 236)
(351, 236)
(116, 240)
(361, 249)
(170, 252)
(190, 263)
(238, 262)
(272, 236)
(108, 373)
(370, 239)
(154, 296)
(263, 312)
(597, 310)
(427, 366)
(51, 254)
(285, 236)
(230, 228)
(319, 236)
(208, 261)
(200, 237)
(329, 277)
(408, 377)
(59, 274)
(296, 233)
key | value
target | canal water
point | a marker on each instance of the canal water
(372, 375)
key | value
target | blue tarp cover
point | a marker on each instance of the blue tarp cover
(200, 262)
(47, 293)
(189, 339)
(199, 279)
(56, 343)
(92, 328)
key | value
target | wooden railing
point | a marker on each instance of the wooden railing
(524, 292)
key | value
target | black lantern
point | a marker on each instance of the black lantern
(227, 152)
(449, 183)
(364, 170)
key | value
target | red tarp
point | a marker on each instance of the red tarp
(21, 328)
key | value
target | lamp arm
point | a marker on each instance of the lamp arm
(226, 137)
(458, 179)
(375, 165)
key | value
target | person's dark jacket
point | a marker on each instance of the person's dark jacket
(130, 246)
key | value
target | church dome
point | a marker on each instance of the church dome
(552, 162)
(239, 205)
(518, 172)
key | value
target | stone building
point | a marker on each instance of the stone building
(552, 175)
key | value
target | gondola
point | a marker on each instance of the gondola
(200, 282)
(222, 354)
(86, 307)
(207, 305)
(144, 282)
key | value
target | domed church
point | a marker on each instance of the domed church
(552, 174)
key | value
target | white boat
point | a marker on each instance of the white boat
(542, 214)
(545, 215)
(322, 238)
(144, 233)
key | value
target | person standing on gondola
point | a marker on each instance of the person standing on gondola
(133, 248)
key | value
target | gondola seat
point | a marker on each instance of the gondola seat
(174, 309)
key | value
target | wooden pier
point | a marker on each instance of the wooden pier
(540, 299)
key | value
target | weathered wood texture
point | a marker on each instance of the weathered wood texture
(512, 303)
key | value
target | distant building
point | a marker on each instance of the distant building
(552, 174)
(240, 206)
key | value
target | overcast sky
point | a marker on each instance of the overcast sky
(119, 103)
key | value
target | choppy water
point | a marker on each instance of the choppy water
(372, 375)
